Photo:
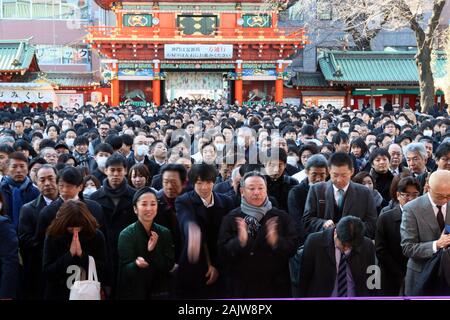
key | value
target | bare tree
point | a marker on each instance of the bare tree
(364, 19)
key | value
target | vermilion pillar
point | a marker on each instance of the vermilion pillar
(156, 83)
(238, 96)
(279, 82)
(115, 87)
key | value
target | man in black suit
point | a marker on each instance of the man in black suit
(316, 171)
(328, 202)
(200, 214)
(29, 215)
(391, 259)
(335, 261)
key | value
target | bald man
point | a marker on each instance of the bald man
(422, 228)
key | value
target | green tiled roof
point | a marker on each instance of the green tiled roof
(63, 79)
(315, 79)
(15, 55)
(375, 67)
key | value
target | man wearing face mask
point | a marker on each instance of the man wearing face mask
(102, 152)
(246, 144)
(70, 136)
(140, 155)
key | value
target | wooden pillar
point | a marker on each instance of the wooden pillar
(238, 83)
(348, 99)
(115, 86)
(156, 87)
(279, 82)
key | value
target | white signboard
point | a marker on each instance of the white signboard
(198, 51)
(31, 95)
(69, 100)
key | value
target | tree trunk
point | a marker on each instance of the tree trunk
(426, 81)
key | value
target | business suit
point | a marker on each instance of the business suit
(318, 267)
(296, 206)
(191, 281)
(419, 229)
(32, 256)
(391, 259)
(321, 206)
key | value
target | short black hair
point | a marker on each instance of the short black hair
(116, 159)
(6, 148)
(127, 140)
(103, 147)
(35, 160)
(350, 231)
(275, 154)
(81, 140)
(379, 152)
(204, 172)
(340, 159)
(340, 137)
(442, 150)
(175, 167)
(71, 175)
(115, 141)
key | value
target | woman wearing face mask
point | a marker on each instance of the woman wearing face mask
(139, 176)
(146, 252)
(91, 184)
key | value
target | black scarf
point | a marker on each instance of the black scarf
(115, 193)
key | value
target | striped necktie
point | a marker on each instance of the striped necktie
(342, 277)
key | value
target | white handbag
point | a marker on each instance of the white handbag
(87, 289)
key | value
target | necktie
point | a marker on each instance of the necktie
(440, 218)
(340, 199)
(342, 277)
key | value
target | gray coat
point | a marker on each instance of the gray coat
(418, 229)
(320, 205)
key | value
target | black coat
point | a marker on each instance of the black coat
(99, 175)
(30, 251)
(167, 217)
(279, 189)
(383, 183)
(257, 270)
(318, 265)
(190, 209)
(116, 218)
(57, 259)
(9, 260)
(392, 262)
(296, 207)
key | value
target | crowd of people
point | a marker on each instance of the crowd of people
(200, 199)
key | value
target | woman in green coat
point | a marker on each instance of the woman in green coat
(146, 252)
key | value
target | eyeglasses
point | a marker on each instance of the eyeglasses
(409, 195)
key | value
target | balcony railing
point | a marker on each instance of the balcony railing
(96, 33)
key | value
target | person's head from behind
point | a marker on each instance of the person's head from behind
(173, 179)
(116, 170)
(341, 169)
(70, 183)
(46, 178)
(139, 176)
(73, 216)
(316, 169)
(17, 167)
(408, 189)
(439, 187)
(254, 188)
(203, 177)
(145, 205)
(349, 233)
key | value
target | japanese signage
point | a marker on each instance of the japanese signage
(198, 51)
(70, 100)
(31, 95)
